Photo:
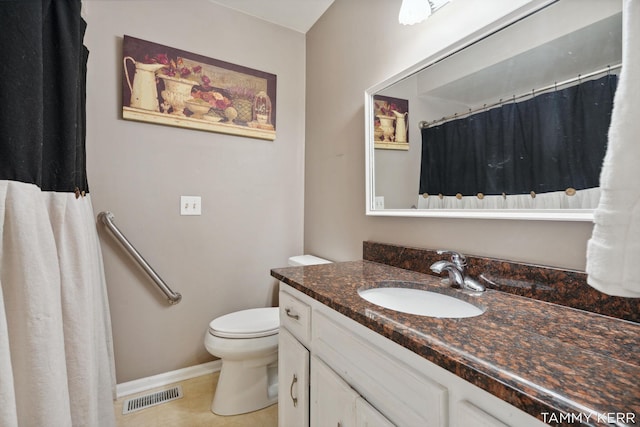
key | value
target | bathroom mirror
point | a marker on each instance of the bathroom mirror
(552, 52)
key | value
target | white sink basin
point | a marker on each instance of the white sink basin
(420, 302)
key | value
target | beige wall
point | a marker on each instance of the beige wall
(252, 190)
(355, 45)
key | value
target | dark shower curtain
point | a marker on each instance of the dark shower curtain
(550, 142)
(56, 363)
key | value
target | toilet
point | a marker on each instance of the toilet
(247, 343)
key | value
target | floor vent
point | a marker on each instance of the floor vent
(152, 399)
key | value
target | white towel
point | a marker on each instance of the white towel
(613, 252)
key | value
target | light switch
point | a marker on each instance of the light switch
(379, 204)
(190, 205)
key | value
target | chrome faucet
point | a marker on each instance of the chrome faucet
(455, 268)
(456, 257)
(456, 277)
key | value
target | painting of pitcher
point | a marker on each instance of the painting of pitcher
(169, 86)
(144, 91)
(391, 130)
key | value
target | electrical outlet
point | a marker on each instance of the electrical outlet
(190, 205)
(379, 203)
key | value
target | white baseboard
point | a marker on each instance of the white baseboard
(166, 378)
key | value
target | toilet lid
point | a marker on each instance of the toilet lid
(252, 323)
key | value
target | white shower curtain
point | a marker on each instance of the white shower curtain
(56, 358)
(56, 365)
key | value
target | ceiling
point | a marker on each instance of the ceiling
(299, 15)
(554, 61)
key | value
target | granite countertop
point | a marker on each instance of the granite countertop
(541, 357)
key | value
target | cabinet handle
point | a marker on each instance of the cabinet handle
(293, 316)
(293, 382)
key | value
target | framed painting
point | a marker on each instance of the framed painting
(169, 86)
(390, 119)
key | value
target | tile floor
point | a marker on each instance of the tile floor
(192, 410)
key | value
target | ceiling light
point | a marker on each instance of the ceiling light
(414, 11)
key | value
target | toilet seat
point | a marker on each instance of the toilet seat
(245, 324)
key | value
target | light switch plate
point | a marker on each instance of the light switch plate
(190, 205)
(379, 202)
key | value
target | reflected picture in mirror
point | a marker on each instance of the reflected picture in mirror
(512, 126)
(390, 123)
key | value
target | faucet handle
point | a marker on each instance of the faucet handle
(456, 257)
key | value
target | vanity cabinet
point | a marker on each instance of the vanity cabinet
(329, 401)
(334, 403)
(469, 414)
(293, 381)
(404, 395)
(293, 362)
(367, 416)
(348, 375)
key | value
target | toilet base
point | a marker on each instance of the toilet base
(246, 386)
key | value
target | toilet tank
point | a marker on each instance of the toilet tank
(307, 260)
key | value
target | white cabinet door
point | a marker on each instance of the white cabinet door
(368, 416)
(293, 381)
(402, 393)
(333, 402)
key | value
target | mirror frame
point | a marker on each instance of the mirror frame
(518, 214)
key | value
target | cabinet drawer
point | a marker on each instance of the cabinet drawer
(296, 317)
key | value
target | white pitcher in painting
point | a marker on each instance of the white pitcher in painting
(401, 126)
(144, 93)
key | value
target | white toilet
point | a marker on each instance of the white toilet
(247, 343)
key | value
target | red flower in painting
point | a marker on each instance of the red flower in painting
(160, 58)
(174, 67)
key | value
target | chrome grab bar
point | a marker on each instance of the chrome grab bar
(107, 219)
